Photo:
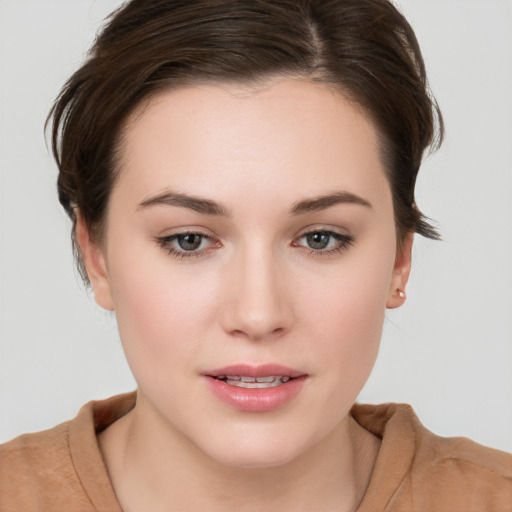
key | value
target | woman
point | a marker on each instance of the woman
(240, 177)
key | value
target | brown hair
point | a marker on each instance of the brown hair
(366, 48)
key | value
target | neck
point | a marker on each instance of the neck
(152, 468)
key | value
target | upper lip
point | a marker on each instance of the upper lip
(262, 370)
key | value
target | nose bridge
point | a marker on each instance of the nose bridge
(258, 306)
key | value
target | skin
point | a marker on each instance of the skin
(254, 292)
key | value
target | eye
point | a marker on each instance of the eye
(318, 240)
(184, 245)
(324, 241)
(189, 241)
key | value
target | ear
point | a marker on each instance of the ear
(401, 271)
(95, 265)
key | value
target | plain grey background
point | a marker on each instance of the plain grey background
(448, 351)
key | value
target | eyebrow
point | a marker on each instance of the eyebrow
(198, 204)
(319, 203)
(209, 207)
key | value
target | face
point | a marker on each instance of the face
(249, 255)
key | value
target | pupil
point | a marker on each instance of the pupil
(189, 242)
(318, 240)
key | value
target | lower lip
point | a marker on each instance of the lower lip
(258, 399)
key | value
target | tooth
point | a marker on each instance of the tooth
(233, 377)
(266, 379)
(247, 379)
(285, 379)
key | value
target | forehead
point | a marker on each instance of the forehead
(288, 135)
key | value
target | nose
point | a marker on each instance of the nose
(257, 304)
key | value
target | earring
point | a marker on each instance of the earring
(401, 293)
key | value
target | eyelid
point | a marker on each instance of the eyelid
(165, 241)
(323, 228)
(345, 240)
(185, 230)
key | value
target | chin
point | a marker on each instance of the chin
(254, 458)
(256, 450)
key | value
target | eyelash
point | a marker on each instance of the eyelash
(166, 243)
(345, 242)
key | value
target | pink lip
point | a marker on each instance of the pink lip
(255, 400)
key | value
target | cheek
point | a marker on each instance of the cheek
(346, 314)
(162, 315)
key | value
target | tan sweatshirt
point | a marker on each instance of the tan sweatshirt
(62, 470)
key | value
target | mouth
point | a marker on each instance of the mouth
(240, 381)
(261, 388)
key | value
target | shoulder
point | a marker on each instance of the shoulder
(431, 472)
(61, 468)
(461, 471)
(34, 468)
